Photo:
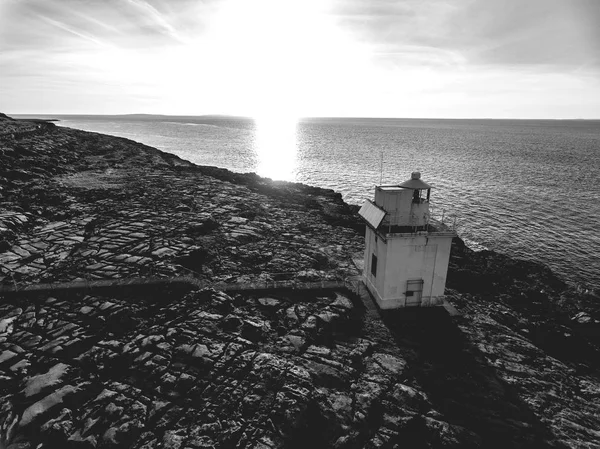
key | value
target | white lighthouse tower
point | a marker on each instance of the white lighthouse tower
(406, 252)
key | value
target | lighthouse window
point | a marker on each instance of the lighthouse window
(374, 265)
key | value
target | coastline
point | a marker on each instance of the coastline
(346, 213)
(482, 213)
(85, 206)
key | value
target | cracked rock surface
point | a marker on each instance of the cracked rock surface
(85, 206)
(174, 366)
(205, 369)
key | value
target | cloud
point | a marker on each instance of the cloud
(554, 33)
(547, 33)
(125, 23)
(156, 18)
(73, 31)
(333, 57)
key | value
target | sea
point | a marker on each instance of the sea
(526, 188)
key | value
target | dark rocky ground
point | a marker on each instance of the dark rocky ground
(170, 365)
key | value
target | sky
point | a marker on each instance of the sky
(293, 58)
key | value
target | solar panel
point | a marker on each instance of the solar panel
(371, 213)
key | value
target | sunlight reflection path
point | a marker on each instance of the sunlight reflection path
(275, 147)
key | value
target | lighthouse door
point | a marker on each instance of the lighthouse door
(414, 291)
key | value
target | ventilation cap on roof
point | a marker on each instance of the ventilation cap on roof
(415, 182)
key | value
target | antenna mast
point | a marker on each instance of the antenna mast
(381, 169)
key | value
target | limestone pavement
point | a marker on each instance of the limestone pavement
(169, 365)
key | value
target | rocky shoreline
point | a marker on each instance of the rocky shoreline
(167, 365)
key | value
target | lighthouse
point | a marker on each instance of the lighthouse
(406, 251)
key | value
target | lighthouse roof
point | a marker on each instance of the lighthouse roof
(415, 182)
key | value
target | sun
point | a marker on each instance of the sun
(278, 57)
(276, 61)
(266, 44)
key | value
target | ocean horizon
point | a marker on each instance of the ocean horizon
(526, 188)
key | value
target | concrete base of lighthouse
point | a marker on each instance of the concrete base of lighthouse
(401, 302)
(406, 270)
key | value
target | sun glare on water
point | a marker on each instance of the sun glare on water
(268, 39)
(275, 147)
(275, 56)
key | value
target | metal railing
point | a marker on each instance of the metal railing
(428, 222)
